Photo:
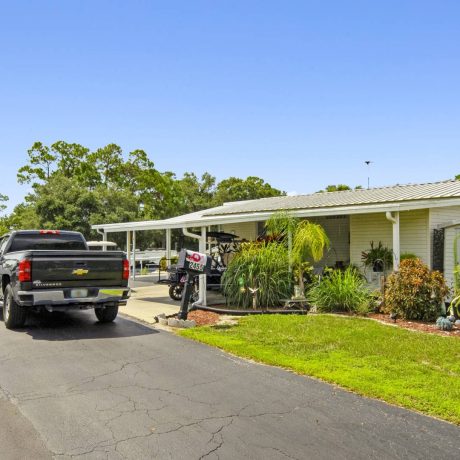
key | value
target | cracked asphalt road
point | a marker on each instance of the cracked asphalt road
(83, 390)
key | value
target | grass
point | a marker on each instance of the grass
(341, 291)
(411, 369)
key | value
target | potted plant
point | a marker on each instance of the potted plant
(378, 257)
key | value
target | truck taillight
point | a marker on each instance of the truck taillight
(25, 270)
(125, 269)
(50, 232)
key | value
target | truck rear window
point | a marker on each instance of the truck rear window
(47, 242)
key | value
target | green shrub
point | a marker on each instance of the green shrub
(164, 263)
(262, 266)
(415, 292)
(342, 291)
(444, 324)
(378, 257)
(408, 255)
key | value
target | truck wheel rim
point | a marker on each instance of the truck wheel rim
(7, 308)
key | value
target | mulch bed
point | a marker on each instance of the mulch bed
(204, 318)
(415, 325)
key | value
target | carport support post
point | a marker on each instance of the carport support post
(104, 238)
(134, 255)
(128, 246)
(394, 219)
(168, 246)
(396, 243)
(202, 249)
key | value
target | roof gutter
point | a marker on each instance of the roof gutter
(390, 217)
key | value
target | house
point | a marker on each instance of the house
(418, 218)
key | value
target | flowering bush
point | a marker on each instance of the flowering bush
(415, 292)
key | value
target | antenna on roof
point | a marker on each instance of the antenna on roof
(368, 164)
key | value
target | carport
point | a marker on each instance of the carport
(194, 225)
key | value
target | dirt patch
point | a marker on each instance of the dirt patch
(204, 318)
(415, 325)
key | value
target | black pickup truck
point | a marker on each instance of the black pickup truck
(49, 270)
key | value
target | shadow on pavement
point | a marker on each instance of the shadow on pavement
(80, 325)
(165, 300)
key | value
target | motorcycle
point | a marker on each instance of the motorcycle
(226, 244)
(176, 281)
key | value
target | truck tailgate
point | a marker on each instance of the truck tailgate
(77, 268)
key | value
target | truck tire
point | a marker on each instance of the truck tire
(175, 291)
(106, 314)
(14, 316)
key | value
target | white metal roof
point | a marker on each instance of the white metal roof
(393, 194)
(382, 199)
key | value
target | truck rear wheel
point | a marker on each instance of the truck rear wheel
(106, 314)
(13, 315)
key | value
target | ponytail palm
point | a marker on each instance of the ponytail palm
(306, 241)
(310, 241)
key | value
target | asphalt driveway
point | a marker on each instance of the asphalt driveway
(83, 390)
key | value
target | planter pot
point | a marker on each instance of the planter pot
(378, 266)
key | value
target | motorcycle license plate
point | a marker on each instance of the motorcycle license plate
(78, 293)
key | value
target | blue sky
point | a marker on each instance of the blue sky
(300, 93)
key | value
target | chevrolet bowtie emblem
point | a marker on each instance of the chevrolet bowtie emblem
(80, 271)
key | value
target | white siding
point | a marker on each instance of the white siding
(337, 229)
(443, 216)
(439, 217)
(245, 230)
(414, 234)
(413, 228)
(449, 258)
(365, 228)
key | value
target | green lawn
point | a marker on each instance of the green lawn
(411, 369)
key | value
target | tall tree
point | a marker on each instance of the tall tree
(107, 162)
(3, 219)
(336, 188)
(41, 165)
(196, 194)
(71, 161)
(236, 189)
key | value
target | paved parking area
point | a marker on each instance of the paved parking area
(146, 302)
(127, 391)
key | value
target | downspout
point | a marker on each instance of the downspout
(202, 248)
(396, 244)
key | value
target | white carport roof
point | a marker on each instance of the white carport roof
(394, 198)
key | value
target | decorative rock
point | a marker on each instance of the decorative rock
(457, 323)
(163, 321)
(173, 322)
(451, 318)
(161, 315)
(186, 324)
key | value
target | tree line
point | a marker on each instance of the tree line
(73, 188)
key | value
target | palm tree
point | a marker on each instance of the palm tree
(306, 241)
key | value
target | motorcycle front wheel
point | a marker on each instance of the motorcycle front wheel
(175, 291)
